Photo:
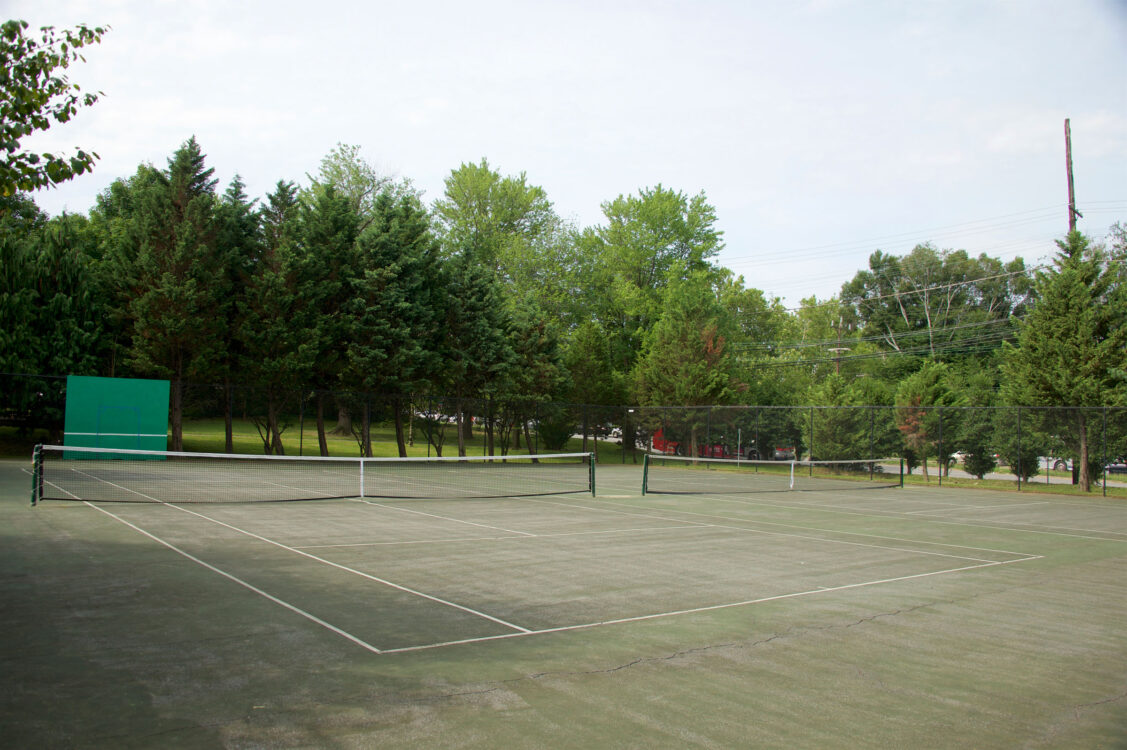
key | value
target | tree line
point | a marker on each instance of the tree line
(351, 280)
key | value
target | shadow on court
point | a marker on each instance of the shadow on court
(903, 617)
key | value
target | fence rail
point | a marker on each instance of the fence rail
(1027, 443)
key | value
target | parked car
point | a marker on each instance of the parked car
(1056, 463)
(784, 453)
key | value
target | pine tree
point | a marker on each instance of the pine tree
(1071, 347)
(538, 374)
(686, 359)
(396, 304)
(326, 241)
(475, 349)
(916, 414)
(239, 240)
(273, 319)
(175, 302)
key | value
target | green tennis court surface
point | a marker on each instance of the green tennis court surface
(891, 618)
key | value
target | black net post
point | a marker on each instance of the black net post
(36, 474)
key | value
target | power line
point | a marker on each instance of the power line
(940, 331)
(1025, 271)
(962, 346)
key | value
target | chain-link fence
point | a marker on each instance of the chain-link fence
(1021, 444)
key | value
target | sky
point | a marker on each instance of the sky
(820, 130)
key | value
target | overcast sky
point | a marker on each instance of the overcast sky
(820, 130)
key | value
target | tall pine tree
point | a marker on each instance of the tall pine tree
(327, 240)
(276, 354)
(176, 301)
(396, 305)
(239, 243)
(1072, 347)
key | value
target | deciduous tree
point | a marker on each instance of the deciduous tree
(649, 241)
(34, 93)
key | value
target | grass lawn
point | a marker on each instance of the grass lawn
(208, 436)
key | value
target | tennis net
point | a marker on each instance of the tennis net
(686, 475)
(106, 475)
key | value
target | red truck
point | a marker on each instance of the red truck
(658, 444)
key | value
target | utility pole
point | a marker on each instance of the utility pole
(839, 348)
(1072, 212)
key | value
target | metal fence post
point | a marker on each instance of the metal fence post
(1019, 449)
(942, 455)
(1104, 462)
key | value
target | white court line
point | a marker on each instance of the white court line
(954, 507)
(809, 537)
(360, 573)
(241, 582)
(695, 610)
(326, 495)
(507, 538)
(521, 631)
(330, 563)
(878, 513)
(446, 518)
(862, 534)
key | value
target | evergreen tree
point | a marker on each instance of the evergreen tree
(175, 303)
(1072, 347)
(396, 304)
(974, 428)
(327, 239)
(238, 242)
(916, 414)
(20, 223)
(588, 360)
(273, 320)
(51, 316)
(475, 349)
(538, 374)
(686, 359)
(116, 227)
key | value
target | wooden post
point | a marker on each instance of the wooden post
(1072, 212)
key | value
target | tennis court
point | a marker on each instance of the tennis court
(764, 618)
